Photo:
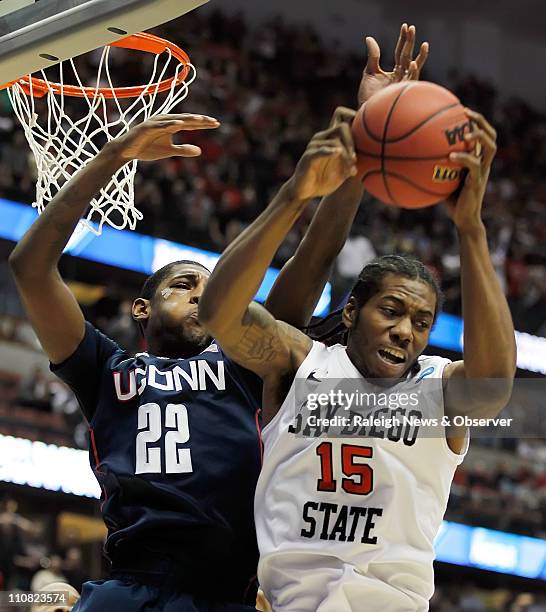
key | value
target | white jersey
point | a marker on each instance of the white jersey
(348, 524)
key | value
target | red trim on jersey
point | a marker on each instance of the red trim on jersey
(94, 447)
(253, 581)
(259, 430)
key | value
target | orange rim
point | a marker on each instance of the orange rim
(141, 41)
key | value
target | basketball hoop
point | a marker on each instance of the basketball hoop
(63, 144)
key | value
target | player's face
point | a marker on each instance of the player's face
(172, 327)
(392, 329)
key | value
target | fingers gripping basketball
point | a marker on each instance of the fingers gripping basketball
(403, 137)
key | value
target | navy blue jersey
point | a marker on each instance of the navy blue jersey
(175, 446)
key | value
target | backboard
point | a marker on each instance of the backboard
(46, 32)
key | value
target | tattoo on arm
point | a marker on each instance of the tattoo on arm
(260, 341)
(266, 345)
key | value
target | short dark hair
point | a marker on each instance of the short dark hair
(153, 281)
(369, 283)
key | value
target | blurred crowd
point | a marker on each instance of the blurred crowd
(28, 561)
(272, 87)
(467, 597)
(502, 497)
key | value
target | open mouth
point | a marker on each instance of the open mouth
(392, 356)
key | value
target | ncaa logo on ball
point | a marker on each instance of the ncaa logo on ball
(457, 133)
(442, 174)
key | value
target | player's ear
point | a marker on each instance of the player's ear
(348, 316)
(141, 310)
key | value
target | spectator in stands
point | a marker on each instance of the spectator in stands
(355, 254)
(35, 391)
(50, 571)
(13, 531)
(73, 567)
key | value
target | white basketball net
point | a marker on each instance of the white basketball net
(62, 145)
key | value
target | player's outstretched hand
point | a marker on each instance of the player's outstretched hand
(405, 67)
(153, 139)
(465, 208)
(328, 161)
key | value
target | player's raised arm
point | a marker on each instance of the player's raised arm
(299, 285)
(50, 305)
(245, 330)
(481, 384)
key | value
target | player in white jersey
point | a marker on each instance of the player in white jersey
(347, 524)
(364, 508)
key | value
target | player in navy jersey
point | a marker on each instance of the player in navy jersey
(174, 444)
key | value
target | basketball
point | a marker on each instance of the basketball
(403, 137)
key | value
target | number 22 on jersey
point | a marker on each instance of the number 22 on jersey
(148, 459)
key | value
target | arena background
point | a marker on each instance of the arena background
(273, 73)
